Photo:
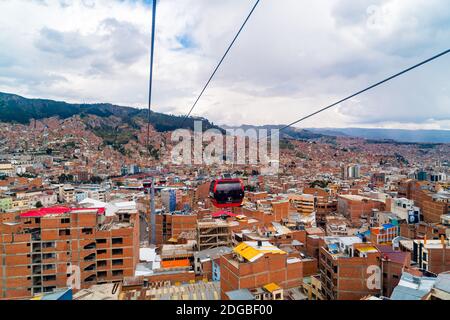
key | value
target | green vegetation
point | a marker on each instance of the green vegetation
(286, 144)
(16, 109)
(319, 183)
(153, 152)
(65, 178)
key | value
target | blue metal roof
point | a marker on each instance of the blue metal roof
(242, 294)
(59, 295)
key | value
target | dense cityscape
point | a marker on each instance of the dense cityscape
(313, 163)
(338, 207)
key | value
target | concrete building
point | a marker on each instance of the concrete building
(67, 194)
(170, 197)
(352, 171)
(7, 169)
(404, 208)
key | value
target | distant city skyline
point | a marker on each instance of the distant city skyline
(291, 59)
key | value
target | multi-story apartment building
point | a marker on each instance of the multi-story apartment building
(432, 255)
(346, 265)
(358, 208)
(67, 194)
(171, 225)
(255, 264)
(43, 248)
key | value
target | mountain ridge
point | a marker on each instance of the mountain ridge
(17, 109)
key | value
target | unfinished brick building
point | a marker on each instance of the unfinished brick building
(213, 233)
(344, 267)
(170, 226)
(38, 249)
(432, 255)
(256, 264)
(432, 205)
(358, 208)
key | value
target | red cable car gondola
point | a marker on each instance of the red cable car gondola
(146, 185)
(226, 193)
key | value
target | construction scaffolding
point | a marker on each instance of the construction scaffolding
(212, 234)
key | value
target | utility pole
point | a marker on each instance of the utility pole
(152, 213)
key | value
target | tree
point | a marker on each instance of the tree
(96, 180)
(319, 183)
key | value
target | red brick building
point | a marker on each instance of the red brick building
(254, 265)
(39, 248)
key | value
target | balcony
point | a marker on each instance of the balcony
(37, 270)
(36, 259)
(90, 257)
(90, 246)
(90, 279)
(91, 267)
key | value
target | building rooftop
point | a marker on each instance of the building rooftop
(108, 291)
(56, 211)
(443, 282)
(211, 254)
(192, 291)
(242, 294)
(253, 250)
(412, 287)
(271, 287)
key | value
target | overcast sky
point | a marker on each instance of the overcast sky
(294, 57)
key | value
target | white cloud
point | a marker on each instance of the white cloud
(293, 57)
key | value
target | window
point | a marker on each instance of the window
(49, 289)
(87, 231)
(117, 240)
(101, 240)
(49, 267)
(64, 232)
(49, 256)
(116, 273)
(117, 262)
(101, 263)
(50, 278)
(103, 251)
(65, 220)
(102, 274)
(48, 245)
(117, 251)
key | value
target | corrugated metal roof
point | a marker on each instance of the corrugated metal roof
(243, 294)
(248, 252)
(271, 287)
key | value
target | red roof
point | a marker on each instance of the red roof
(56, 210)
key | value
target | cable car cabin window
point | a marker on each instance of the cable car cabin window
(226, 187)
(211, 186)
(227, 193)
